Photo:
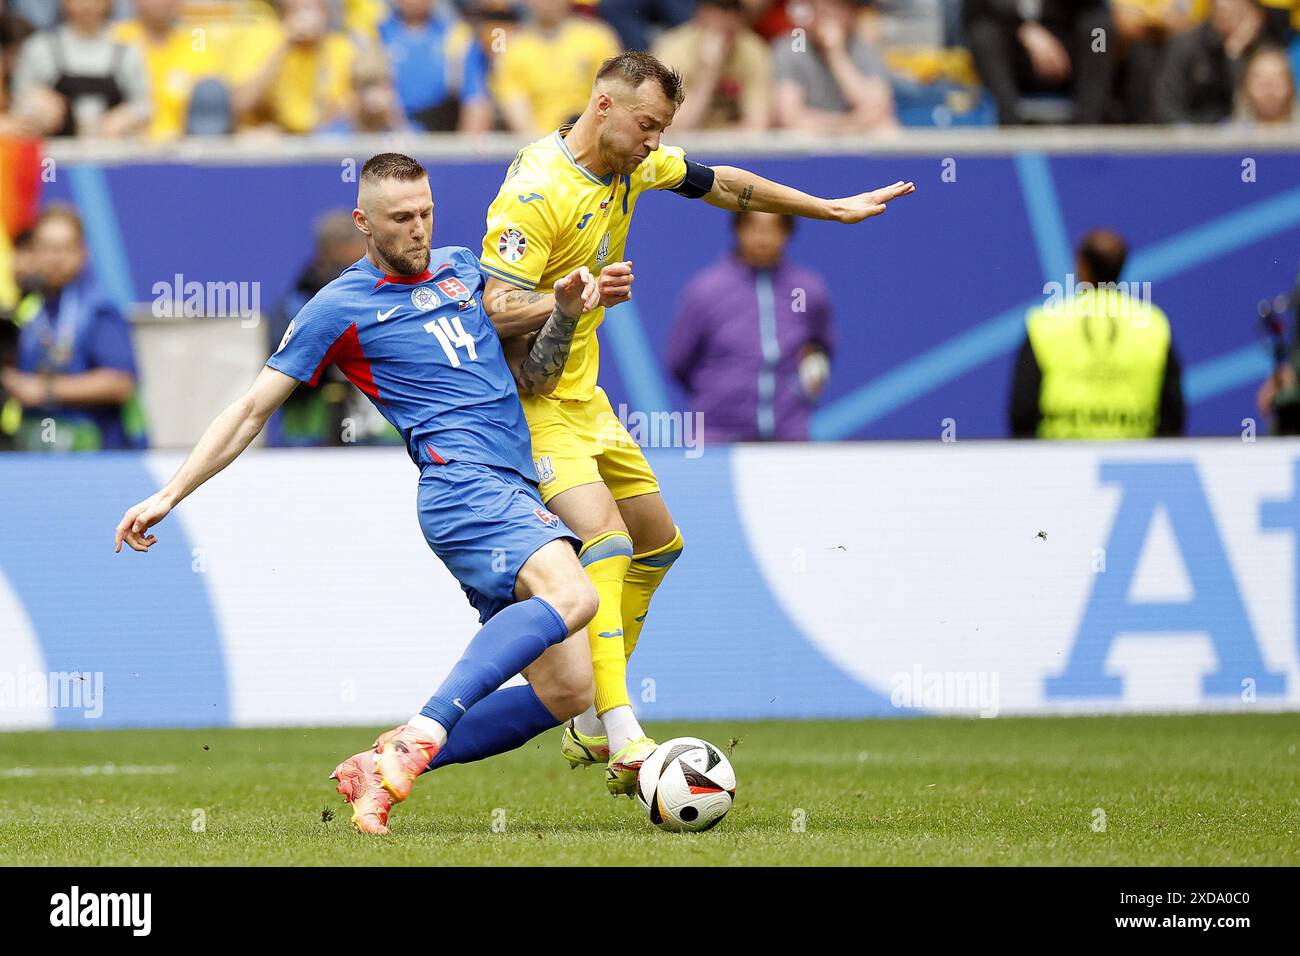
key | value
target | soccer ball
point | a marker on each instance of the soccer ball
(686, 785)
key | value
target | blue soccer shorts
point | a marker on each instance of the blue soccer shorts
(484, 523)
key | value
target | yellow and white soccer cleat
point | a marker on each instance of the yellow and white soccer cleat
(620, 775)
(581, 750)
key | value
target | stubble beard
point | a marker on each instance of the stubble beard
(622, 163)
(407, 262)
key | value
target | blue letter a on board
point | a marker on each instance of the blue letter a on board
(1215, 607)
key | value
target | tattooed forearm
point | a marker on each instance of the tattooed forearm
(742, 201)
(516, 297)
(515, 311)
(544, 364)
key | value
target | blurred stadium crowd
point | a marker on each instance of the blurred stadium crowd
(159, 70)
(166, 68)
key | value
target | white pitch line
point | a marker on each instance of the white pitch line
(107, 769)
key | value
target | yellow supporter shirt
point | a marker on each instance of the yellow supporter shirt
(186, 56)
(553, 72)
(553, 215)
(1198, 10)
(363, 17)
(313, 84)
(1155, 9)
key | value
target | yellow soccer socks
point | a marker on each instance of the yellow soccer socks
(606, 559)
(643, 577)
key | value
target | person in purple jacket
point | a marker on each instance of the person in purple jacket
(752, 340)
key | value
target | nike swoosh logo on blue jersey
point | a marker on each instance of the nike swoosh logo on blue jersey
(459, 705)
(472, 418)
(530, 197)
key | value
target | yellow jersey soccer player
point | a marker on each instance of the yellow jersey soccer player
(567, 201)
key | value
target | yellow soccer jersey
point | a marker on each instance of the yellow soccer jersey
(553, 215)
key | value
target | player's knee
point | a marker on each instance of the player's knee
(586, 600)
(665, 558)
(678, 548)
(575, 599)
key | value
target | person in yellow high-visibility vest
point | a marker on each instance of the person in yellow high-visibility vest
(1098, 359)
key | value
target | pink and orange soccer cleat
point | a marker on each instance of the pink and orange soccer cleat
(360, 785)
(401, 755)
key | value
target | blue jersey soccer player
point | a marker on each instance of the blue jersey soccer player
(406, 324)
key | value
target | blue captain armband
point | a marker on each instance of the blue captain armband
(697, 182)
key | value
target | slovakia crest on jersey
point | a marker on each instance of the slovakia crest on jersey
(512, 245)
(424, 298)
(546, 518)
(454, 288)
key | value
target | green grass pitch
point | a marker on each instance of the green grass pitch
(1203, 790)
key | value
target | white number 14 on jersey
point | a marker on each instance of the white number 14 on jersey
(451, 335)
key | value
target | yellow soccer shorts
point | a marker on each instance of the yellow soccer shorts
(581, 442)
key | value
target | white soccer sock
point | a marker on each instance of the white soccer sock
(436, 731)
(588, 724)
(621, 726)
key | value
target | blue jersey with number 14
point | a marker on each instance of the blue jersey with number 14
(424, 351)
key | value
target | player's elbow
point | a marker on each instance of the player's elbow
(249, 413)
(724, 191)
(502, 317)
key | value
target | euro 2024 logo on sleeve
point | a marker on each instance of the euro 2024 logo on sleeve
(512, 244)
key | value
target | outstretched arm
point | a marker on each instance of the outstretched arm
(739, 189)
(228, 435)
